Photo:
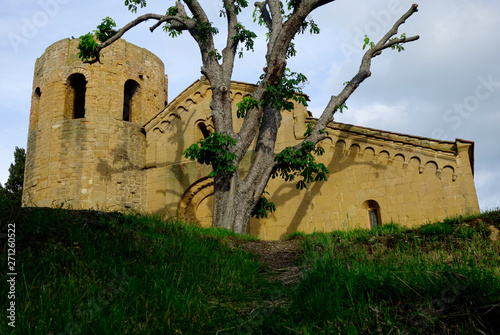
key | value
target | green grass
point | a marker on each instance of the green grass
(439, 278)
(88, 272)
(109, 273)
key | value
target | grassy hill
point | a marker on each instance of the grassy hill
(88, 272)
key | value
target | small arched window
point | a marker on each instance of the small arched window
(130, 92)
(203, 129)
(373, 209)
(75, 95)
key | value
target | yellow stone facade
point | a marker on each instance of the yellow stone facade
(97, 156)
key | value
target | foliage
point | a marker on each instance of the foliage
(289, 88)
(342, 107)
(172, 11)
(292, 162)
(309, 129)
(87, 47)
(368, 42)
(257, 17)
(12, 192)
(307, 23)
(244, 36)
(239, 4)
(214, 150)
(291, 52)
(132, 4)
(170, 31)
(245, 105)
(215, 55)
(398, 46)
(205, 29)
(105, 30)
(263, 207)
(437, 229)
(280, 96)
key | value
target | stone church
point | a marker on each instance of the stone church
(105, 136)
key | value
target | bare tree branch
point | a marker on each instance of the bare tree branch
(132, 24)
(336, 102)
(395, 27)
(229, 51)
(319, 3)
(197, 11)
(276, 25)
(179, 26)
(394, 42)
(205, 42)
(275, 9)
(220, 81)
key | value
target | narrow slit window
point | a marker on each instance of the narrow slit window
(35, 107)
(373, 213)
(131, 90)
(373, 210)
(75, 95)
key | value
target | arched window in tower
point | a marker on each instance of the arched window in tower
(75, 96)
(130, 93)
(35, 108)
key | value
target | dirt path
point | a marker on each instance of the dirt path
(279, 256)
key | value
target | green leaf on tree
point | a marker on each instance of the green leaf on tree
(105, 30)
(292, 162)
(262, 207)
(88, 47)
(289, 88)
(214, 150)
(132, 4)
(245, 105)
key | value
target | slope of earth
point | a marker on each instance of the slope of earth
(279, 257)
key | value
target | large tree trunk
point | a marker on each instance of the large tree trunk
(236, 198)
(232, 206)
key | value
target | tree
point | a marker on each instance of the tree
(11, 194)
(236, 199)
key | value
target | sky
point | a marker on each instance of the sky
(446, 85)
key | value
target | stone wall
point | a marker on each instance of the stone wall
(407, 182)
(94, 161)
(395, 177)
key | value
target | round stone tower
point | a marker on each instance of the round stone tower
(86, 145)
